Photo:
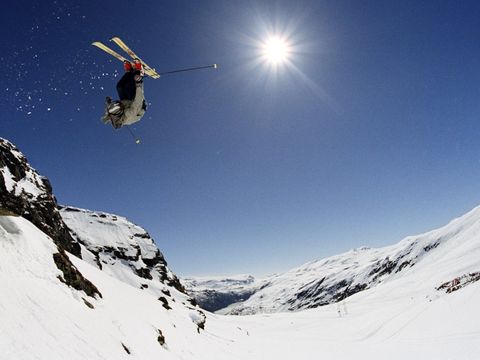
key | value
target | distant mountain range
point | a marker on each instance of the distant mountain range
(216, 293)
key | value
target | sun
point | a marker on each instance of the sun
(275, 50)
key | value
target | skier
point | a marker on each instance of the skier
(131, 105)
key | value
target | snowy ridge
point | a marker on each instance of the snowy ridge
(220, 283)
(100, 230)
(124, 251)
(333, 279)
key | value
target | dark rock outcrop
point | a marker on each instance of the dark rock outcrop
(72, 277)
(25, 193)
(459, 282)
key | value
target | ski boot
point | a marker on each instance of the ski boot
(137, 64)
(139, 71)
(127, 65)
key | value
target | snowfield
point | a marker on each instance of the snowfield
(404, 317)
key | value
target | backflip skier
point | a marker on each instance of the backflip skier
(131, 105)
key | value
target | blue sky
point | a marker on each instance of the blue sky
(370, 136)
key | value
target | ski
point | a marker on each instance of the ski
(148, 70)
(109, 51)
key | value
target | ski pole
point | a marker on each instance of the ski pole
(214, 66)
(137, 140)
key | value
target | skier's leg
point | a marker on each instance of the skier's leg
(126, 86)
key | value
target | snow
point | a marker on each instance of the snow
(28, 186)
(8, 178)
(401, 317)
(100, 229)
(31, 183)
(220, 283)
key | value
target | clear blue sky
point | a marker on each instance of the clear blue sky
(373, 137)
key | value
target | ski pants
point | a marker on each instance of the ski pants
(126, 86)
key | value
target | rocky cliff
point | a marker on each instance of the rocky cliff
(109, 242)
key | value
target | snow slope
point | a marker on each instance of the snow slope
(448, 252)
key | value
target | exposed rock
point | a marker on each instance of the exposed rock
(72, 277)
(160, 338)
(127, 350)
(25, 193)
(199, 318)
(144, 273)
(459, 282)
(164, 303)
(89, 304)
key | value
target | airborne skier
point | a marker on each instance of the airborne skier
(131, 105)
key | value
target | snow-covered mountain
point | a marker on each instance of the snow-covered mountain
(215, 293)
(334, 279)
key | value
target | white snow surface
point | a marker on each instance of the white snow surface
(402, 317)
(98, 230)
(31, 184)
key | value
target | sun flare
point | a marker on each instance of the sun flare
(276, 50)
